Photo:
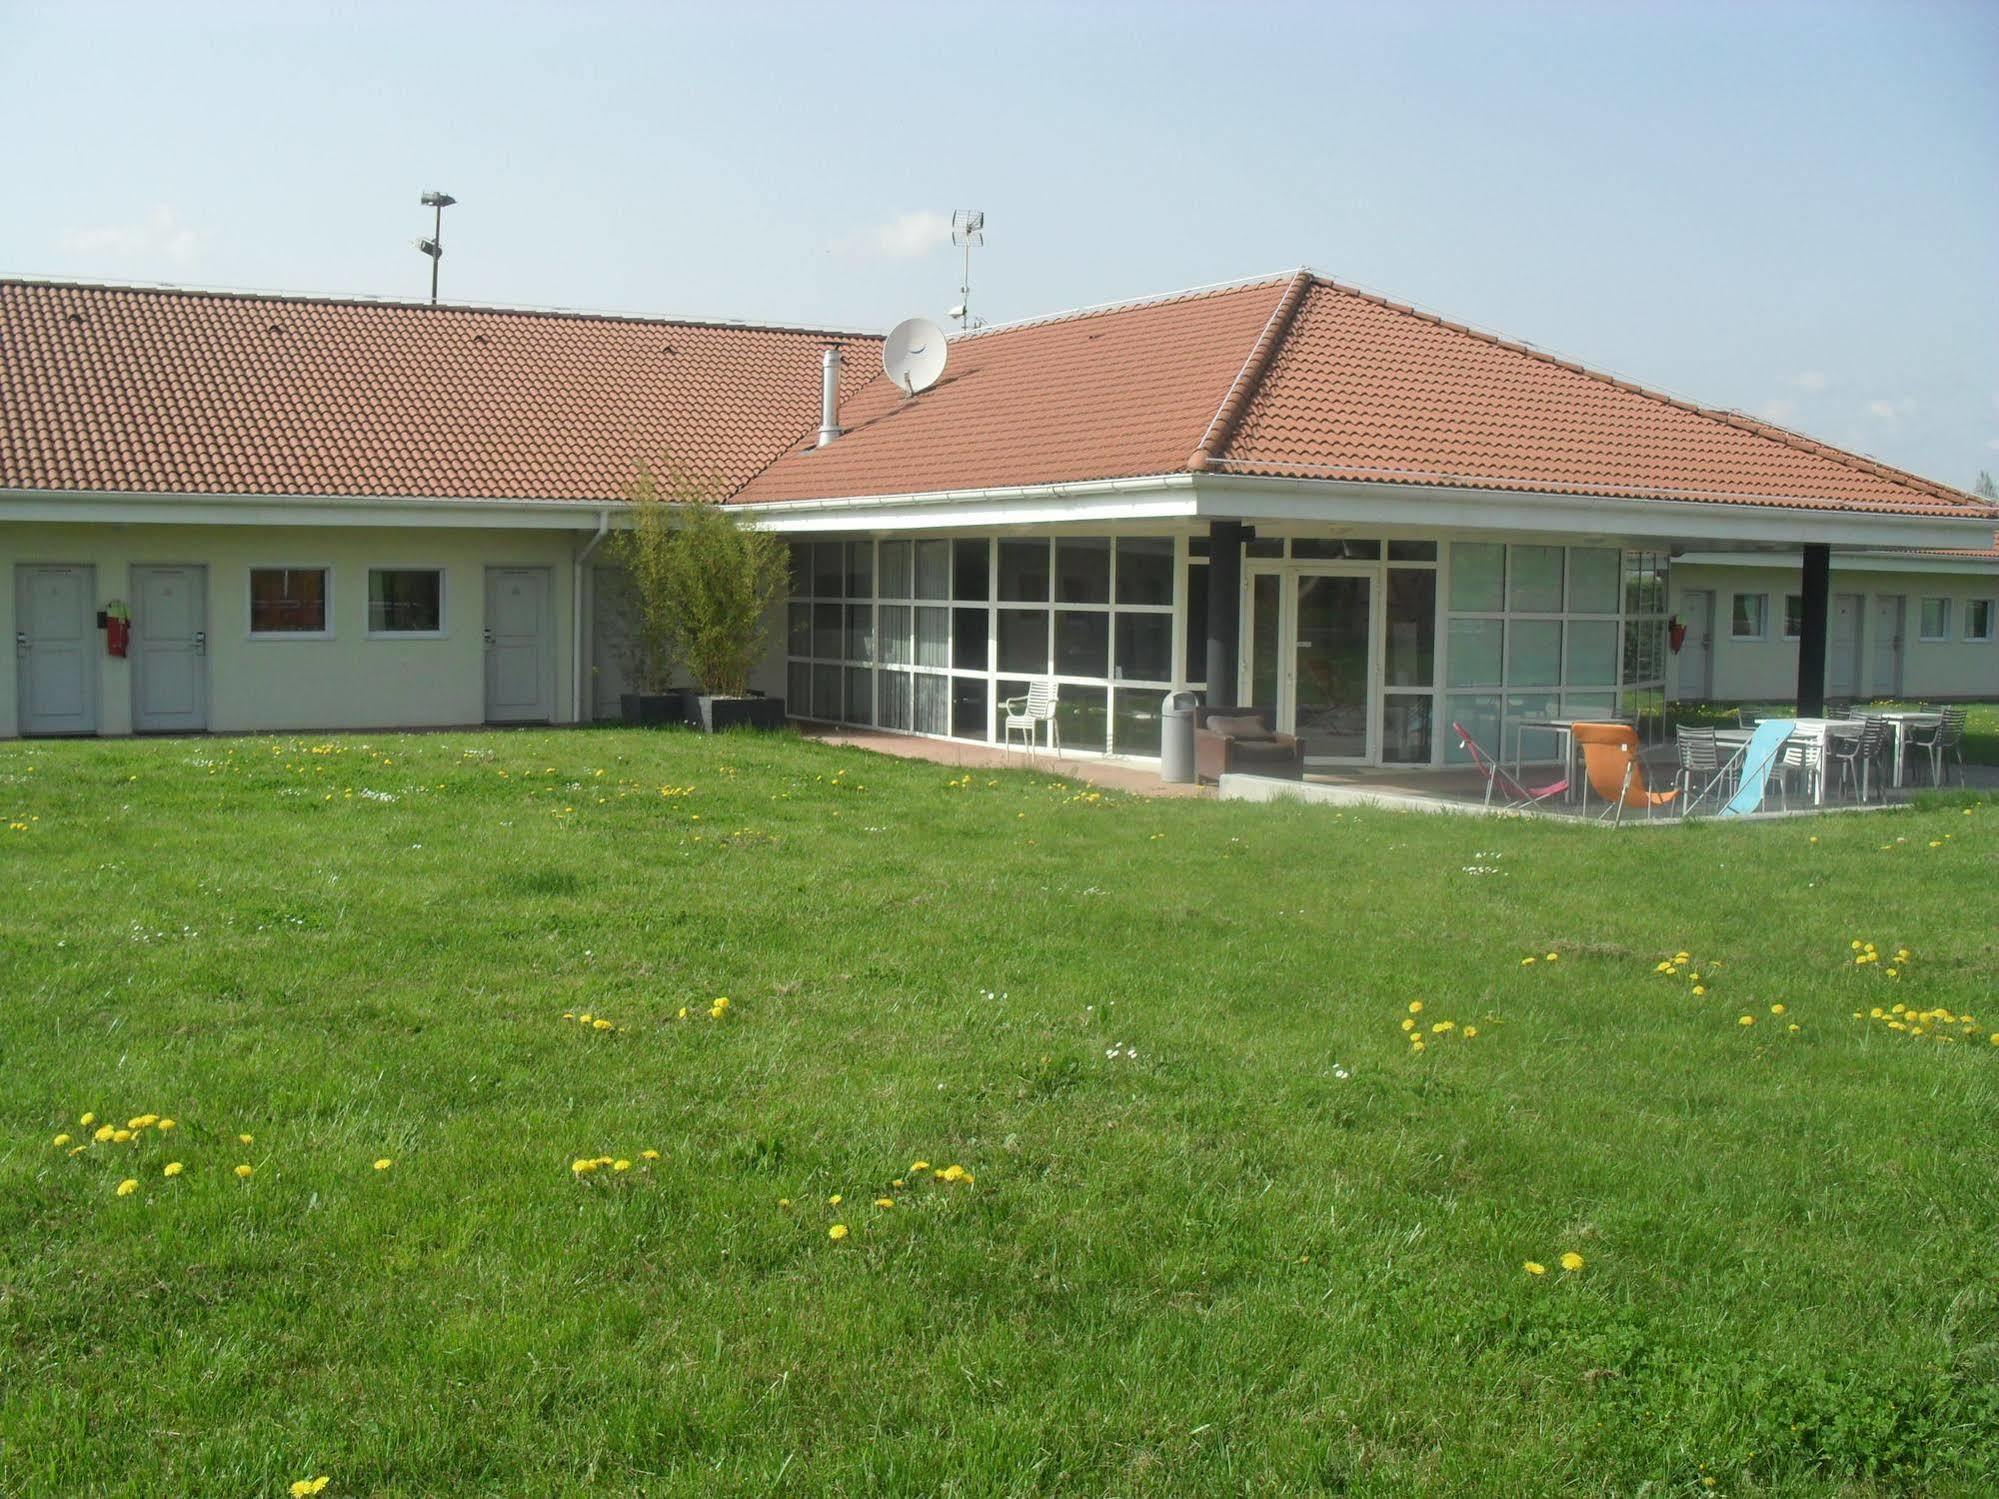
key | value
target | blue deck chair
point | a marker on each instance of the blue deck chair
(1758, 758)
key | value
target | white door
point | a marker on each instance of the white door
(55, 649)
(169, 650)
(520, 646)
(1843, 665)
(1888, 612)
(1697, 650)
(611, 607)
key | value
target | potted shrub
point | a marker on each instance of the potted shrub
(647, 650)
(712, 585)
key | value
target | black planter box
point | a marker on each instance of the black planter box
(715, 714)
(654, 710)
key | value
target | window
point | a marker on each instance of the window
(1978, 619)
(1747, 620)
(405, 601)
(1794, 615)
(289, 601)
(1936, 619)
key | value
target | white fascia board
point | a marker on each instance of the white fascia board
(1099, 501)
(1579, 519)
(72, 507)
(1847, 562)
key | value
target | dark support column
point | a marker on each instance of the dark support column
(1812, 632)
(1224, 610)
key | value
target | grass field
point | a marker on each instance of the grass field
(1222, 1227)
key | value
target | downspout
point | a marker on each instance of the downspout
(580, 663)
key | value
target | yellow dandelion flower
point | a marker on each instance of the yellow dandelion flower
(1416, 1045)
(648, 1155)
(77, 1150)
(172, 1168)
(1793, 1027)
(384, 1164)
(120, 1136)
(583, 1019)
(61, 1140)
(128, 1186)
(1877, 1013)
(919, 1166)
(568, 1014)
(784, 1202)
(143, 1121)
(897, 1184)
(621, 1165)
(1776, 1009)
(86, 1121)
(1415, 1007)
(1699, 990)
(1572, 1261)
(582, 1166)
(166, 1125)
(1747, 1020)
(104, 1132)
(1554, 957)
(603, 1160)
(683, 1013)
(833, 1201)
(722, 1003)
(1524, 962)
(1855, 944)
(600, 1025)
(1408, 1024)
(884, 1202)
(1441, 1026)
(837, 1232)
(305, 1488)
(1469, 1032)
(246, 1171)
(1534, 1267)
(246, 1139)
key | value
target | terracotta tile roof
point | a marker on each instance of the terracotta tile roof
(1092, 395)
(131, 390)
(1302, 377)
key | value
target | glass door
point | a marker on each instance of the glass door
(1310, 657)
(1333, 665)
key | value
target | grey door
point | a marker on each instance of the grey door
(169, 650)
(55, 648)
(1843, 665)
(1697, 650)
(1888, 612)
(520, 645)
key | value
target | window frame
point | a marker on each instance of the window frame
(1924, 635)
(1762, 630)
(251, 632)
(1991, 607)
(443, 630)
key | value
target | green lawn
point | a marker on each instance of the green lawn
(1226, 1229)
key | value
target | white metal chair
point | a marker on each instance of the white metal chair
(1025, 716)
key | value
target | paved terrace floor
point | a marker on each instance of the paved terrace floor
(1454, 787)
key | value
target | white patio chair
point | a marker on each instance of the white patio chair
(1028, 713)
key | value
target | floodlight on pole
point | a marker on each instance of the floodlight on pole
(434, 246)
(968, 228)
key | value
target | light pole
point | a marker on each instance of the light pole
(434, 246)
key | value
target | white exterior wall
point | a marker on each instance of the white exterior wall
(1767, 669)
(347, 681)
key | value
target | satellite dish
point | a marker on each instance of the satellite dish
(913, 354)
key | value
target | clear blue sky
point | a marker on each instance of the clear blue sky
(1789, 209)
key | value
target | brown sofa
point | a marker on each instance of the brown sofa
(1240, 741)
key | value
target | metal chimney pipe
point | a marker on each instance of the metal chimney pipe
(829, 397)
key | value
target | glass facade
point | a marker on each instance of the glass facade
(1552, 632)
(931, 635)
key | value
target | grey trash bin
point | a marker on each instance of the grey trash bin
(1176, 736)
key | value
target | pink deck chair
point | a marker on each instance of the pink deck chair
(1498, 780)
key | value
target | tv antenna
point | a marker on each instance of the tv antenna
(913, 355)
(968, 228)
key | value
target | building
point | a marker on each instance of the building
(332, 514)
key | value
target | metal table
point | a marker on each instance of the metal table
(1820, 732)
